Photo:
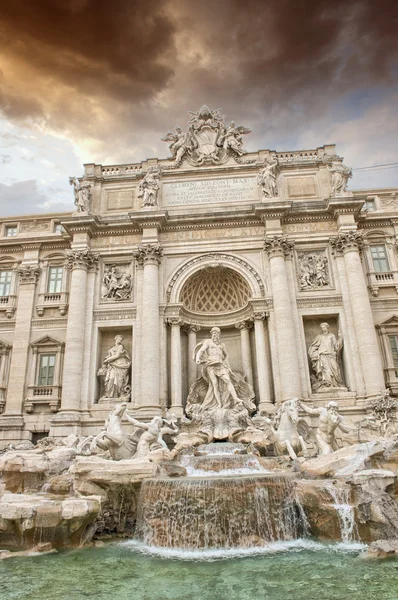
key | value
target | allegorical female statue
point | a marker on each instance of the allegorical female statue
(323, 354)
(116, 371)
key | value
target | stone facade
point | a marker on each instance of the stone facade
(267, 246)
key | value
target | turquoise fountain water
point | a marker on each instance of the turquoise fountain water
(235, 537)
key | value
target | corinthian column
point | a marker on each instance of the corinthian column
(350, 245)
(264, 384)
(79, 262)
(277, 248)
(192, 330)
(175, 364)
(149, 255)
(28, 275)
(244, 327)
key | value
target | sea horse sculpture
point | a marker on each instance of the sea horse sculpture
(288, 437)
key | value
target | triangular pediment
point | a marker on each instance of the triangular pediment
(391, 321)
(46, 340)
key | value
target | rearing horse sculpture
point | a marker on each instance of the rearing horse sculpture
(288, 439)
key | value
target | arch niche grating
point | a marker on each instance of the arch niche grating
(214, 290)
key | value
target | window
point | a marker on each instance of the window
(394, 351)
(46, 369)
(54, 285)
(58, 228)
(379, 257)
(11, 231)
(369, 205)
(5, 283)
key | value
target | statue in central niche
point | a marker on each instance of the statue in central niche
(220, 403)
(216, 372)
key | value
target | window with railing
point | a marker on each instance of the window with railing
(54, 285)
(379, 259)
(5, 283)
(46, 369)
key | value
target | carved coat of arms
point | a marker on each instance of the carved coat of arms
(207, 141)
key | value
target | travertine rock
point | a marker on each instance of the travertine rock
(102, 472)
(25, 518)
(343, 462)
(381, 549)
(28, 471)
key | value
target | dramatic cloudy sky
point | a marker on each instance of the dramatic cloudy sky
(103, 80)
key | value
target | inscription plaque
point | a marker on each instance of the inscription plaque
(206, 191)
(119, 199)
(301, 186)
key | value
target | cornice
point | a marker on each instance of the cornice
(49, 323)
(380, 303)
(320, 301)
(87, 224)
(149, 218)
(344, 205)
(110, 314)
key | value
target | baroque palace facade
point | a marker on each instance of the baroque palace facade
(109, 302)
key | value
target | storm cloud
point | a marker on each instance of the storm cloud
(114, 77)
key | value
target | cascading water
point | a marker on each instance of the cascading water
(218, 512)
(345, 511)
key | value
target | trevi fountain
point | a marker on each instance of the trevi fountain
(211, 410)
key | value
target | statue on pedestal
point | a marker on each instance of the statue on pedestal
(83, 194)
(266, 178)
(149, 187)
(340, 174)
(115, 371)
(323, 353)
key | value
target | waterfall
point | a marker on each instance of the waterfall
(218, 512)
(345, 511)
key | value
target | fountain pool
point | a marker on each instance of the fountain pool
(299, 570)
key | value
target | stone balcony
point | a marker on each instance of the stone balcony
(58, 300)
(49, 395)
(376, 280)
(8, 304)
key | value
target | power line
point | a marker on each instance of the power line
(376, 167)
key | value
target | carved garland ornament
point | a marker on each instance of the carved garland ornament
(214, 257)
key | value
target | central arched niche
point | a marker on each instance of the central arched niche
(216, 295)
(215, 290)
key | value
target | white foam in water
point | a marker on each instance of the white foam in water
(192, 472)
(228, 553)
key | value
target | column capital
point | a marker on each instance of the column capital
(149, 254)
(244, 325)
(349, 241)
(174, 321)
(81, 259)
(278, 246)
(259, 316)
(28, 274)
(191, 327)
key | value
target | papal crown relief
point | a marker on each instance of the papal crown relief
(208, 140)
